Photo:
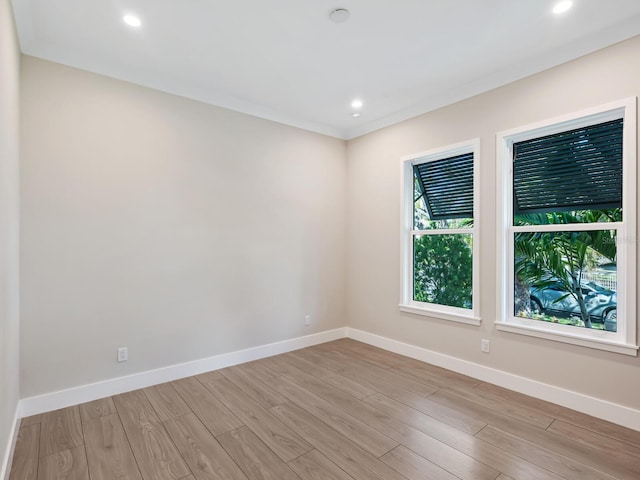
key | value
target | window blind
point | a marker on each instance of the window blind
(579, 169)
(447, 186)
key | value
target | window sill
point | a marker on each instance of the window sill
(596, 343)
(430, 312)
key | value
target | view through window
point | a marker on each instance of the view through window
(440, 233)
(567, 195)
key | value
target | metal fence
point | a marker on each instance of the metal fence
(607, 280)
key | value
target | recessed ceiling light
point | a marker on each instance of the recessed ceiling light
(356, 115)
(562, 7)
(132, 20)
(357, 103)
(339, 15)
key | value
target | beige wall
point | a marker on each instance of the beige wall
(374, 237)
(182, 230)
(175, 228)
(9, 143)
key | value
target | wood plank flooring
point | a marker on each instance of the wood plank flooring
(338, 411)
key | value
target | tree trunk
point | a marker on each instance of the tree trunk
(584, 314)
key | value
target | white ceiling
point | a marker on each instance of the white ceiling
(285, 61)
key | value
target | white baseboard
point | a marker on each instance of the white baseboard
(5, 466)
(603, 409)
(621, 415)
(86, 393)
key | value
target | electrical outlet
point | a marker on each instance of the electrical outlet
(123, 354)
(307, 320)
(485, 345)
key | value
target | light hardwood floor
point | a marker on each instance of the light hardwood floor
(338, 411)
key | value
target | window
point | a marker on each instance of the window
(567, 242)
(439, 233)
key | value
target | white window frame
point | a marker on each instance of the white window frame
(624, 340)
(407, 303)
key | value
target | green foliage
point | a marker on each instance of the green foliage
(545, 258)
(602, 241)
(443, 270)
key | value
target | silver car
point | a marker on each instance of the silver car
(555, 300)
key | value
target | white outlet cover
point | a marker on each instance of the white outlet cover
(123, 354)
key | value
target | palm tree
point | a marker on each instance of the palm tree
(546, 258)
